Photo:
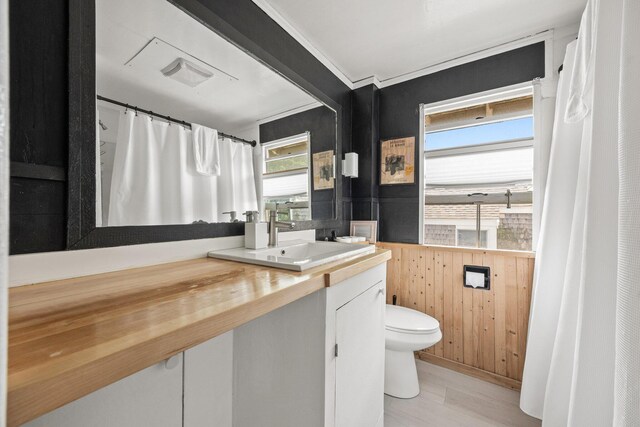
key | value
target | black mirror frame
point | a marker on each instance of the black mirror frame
(82, 232)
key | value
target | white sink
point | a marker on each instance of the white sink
(297, 255)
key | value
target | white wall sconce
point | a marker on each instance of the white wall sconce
(350, 165)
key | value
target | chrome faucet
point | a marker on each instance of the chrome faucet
(274, 225)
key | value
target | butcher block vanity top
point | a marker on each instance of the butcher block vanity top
(71, 337)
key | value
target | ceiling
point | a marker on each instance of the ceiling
(129, 62)
(386, 39)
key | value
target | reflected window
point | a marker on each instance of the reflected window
(285, 178)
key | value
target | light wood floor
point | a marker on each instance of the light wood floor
(448, 398)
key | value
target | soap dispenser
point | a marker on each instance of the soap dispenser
(256, 235)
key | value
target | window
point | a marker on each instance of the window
(285, 177)
(478, 173)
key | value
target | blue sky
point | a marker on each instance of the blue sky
(481, 134)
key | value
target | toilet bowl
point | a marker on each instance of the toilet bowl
(406, 331)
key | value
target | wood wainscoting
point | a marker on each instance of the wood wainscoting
(484, 331)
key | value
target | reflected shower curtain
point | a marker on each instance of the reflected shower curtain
(583, 352)
(155, 181)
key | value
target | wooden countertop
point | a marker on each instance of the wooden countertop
(70, 337)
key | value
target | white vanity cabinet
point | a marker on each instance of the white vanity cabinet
(208, 383)
(288, 370)
(151, 397)
(192, 389)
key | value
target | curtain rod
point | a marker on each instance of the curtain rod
(170, 119)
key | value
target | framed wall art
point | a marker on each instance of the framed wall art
(366, 229)
(397, 161)
(323, 170)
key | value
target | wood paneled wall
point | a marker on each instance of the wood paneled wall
(484, 331)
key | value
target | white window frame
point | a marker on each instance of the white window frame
(281, 143)
(508, 92)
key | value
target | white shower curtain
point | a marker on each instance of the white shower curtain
(588, 253)
(553, 246)
(155, 179)
(626, 409)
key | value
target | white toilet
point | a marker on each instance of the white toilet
(406, 331)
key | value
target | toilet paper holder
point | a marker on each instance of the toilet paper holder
(474, 281)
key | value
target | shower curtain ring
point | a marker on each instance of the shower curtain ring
(136, 111)
(151, 115)
(169, 120)
(126, 108)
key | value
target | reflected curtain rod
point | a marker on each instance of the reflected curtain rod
(170, 119)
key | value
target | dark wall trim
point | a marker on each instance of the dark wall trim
(35, 171)
(81, 188)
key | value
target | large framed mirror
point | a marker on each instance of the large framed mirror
(185, 131)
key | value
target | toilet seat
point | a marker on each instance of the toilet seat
(407, 321)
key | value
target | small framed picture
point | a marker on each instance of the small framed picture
(366, 229)
(397, 161)
(323, 170)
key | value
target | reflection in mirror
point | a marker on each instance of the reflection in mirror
(285, 172)
(287, 132)
(179, 112)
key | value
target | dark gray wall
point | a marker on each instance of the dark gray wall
(398, 116)
(321, 124)
(365, 142)
(38, 89)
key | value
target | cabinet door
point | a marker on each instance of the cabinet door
(360, 359)
(151, 397)
(208, 383)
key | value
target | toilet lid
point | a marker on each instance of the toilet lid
(404, 319)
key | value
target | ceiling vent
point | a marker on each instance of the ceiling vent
(186, 72)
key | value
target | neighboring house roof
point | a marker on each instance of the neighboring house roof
(469, 211)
